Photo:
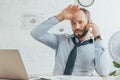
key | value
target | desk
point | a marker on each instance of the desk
(72, 78)
(75, 78)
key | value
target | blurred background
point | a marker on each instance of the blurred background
(19, 17)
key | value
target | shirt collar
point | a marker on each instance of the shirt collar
(77, 40)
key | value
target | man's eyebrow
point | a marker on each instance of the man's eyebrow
(72, 21)
(76, 20)
(79, 20)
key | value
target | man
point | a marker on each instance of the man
(76, 54)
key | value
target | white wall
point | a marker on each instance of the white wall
(38, 58)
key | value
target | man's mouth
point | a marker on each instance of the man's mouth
(79, 31)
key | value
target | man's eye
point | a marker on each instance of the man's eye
(80, 22)
(73, 23)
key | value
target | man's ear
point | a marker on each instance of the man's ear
(87, 26)
(89, 20)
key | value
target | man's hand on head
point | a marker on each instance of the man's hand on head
(68, 12)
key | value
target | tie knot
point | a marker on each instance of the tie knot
(81, 43)
(77, 44)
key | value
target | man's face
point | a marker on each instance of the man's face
(79, 23)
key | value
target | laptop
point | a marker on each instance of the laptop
(11, 65)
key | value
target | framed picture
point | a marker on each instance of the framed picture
(30, 20)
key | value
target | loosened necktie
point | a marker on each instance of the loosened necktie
(72, 57)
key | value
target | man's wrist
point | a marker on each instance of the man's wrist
(60, 17)
(97, 38)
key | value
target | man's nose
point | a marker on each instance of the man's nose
(78, 26)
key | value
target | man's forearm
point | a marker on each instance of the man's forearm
(101, 63)
(44, 27)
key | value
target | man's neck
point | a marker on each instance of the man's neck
(86, 37)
